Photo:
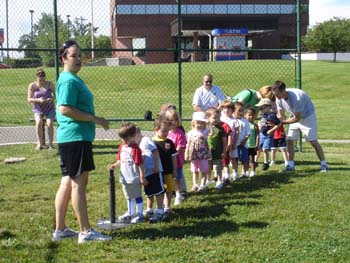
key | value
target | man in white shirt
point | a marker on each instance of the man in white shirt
(301, 118)
(208, 95)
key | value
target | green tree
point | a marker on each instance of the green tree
(329, 36)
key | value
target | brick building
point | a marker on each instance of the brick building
(153, 24)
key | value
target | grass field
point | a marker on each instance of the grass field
(127, 92)
(273, 217)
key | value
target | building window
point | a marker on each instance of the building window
(166, 9)
(233, 9)
(273, 9)
(193, 9)
(152, 9)
(287, 9)
(247, 9)
(124, 10)
(138, 9)
(139, 43)
(260, 9)
(207, 9)
(220, 9)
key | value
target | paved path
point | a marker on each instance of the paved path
(26, 134)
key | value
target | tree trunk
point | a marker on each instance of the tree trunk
(334, 56)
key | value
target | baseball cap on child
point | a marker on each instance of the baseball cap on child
(199, 116)
(264, 102)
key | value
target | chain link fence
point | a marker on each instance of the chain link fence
(139, 55)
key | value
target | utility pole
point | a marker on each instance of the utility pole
(92, 29)
(31, 23)
(68, 27)
(81, 25)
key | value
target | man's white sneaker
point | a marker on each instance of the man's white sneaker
(62, 234)
(92, 235)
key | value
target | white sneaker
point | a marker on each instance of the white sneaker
(202, 188)
(234, 176)
(272, 163)
(137, 219)
(251, 174)
(65, 233)
(324, 168)
(219, 185)
(178, 200)
(92, 235)
(156, 217)
(125, 218)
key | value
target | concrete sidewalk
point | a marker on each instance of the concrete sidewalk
(26, 134)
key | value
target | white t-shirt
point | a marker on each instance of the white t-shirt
(244, 130)
(208, 98)
(297, 101)
(147, 147)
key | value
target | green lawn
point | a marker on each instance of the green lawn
(127, 92)
(298, 217)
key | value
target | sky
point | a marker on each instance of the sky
(20, 17)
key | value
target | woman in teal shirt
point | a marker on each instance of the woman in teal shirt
(76, 130)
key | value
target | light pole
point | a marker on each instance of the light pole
(31, 24)
(92, 29)
(7, 29)
(68, 24)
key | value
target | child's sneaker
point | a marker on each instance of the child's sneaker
(251, 174)
(265, 166)
(137, 219)
(288, 169)
(166, 216)
(156, 217)
(194, 188)
(272, 163)
(92, 235)
(219, 185)
(324, 168)
(62, 234)
(234, 176)
(202, 188)
(125, 218)
(178, 199)
(148, 214)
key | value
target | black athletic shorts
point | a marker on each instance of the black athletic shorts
(76, 158)
(155, 185)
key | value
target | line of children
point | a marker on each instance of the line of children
(218, 137)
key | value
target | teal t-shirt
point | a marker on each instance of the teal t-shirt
(72, 91)
(251, 142)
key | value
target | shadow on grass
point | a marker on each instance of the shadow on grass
(52, 252)
(205, 229)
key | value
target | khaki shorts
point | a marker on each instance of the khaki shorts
(169, 183)
(307, 126)
(132, 191)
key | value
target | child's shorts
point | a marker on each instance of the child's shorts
(199, 166)
(169, 183)
(266, 142)
(132, 191)
(179, 173)
(155, 185)
(242, 154)
(279, 143)
(217, 166)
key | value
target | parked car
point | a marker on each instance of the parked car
(4, 66)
